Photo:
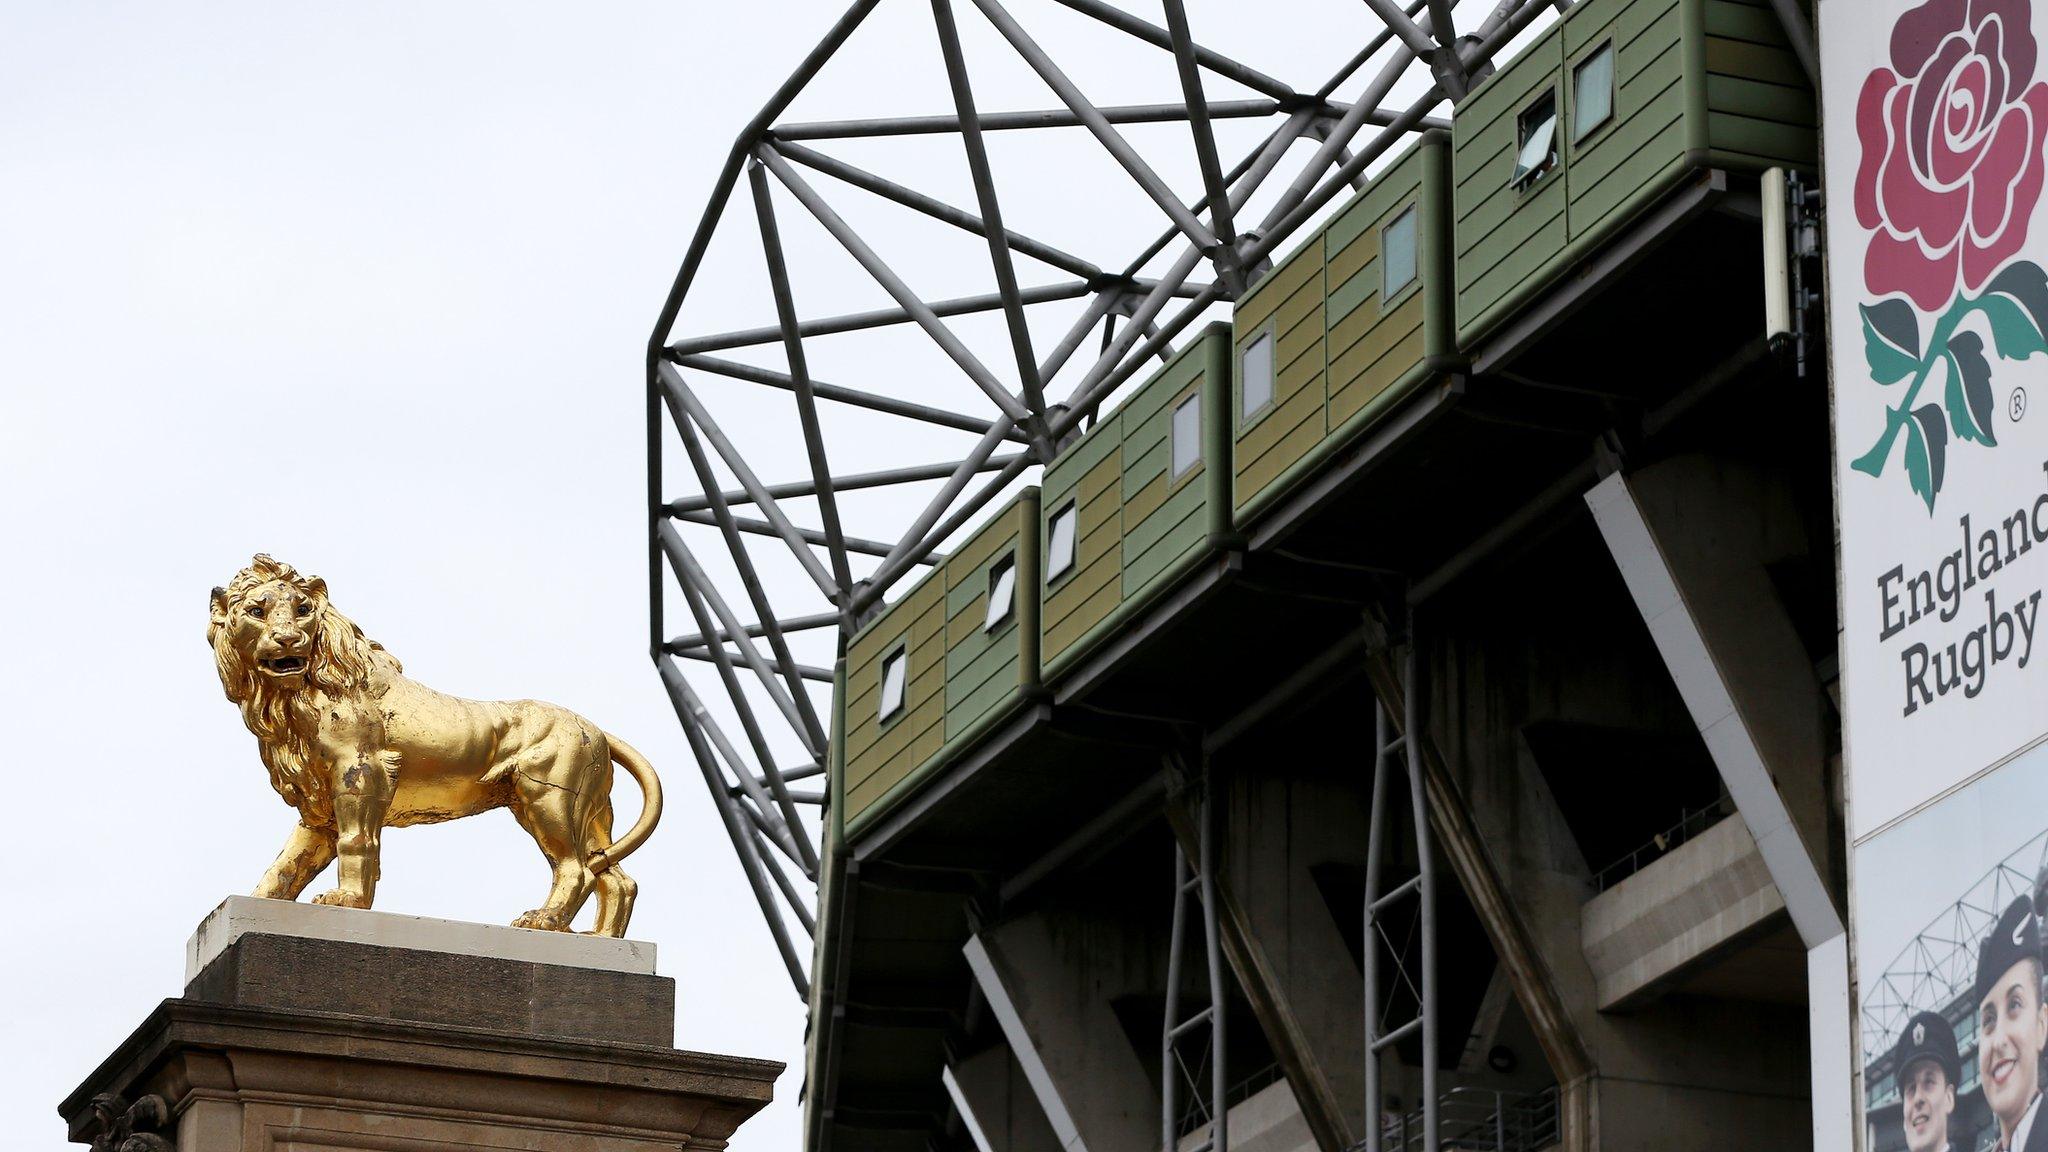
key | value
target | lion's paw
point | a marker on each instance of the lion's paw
(341, 899)
(543, 920)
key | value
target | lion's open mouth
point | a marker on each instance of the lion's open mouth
(284, 665)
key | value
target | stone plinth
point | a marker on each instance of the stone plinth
(307, 1027)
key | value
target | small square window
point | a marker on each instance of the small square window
(1002, 592)
(1255, 369)
(1187, 435)
(1059, 546)
(1593, 91)
(895, 672)
(1536, 136)
(1397, 254)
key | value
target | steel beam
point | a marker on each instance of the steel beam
(686, 409)
(763, 528)
(936, 209)
(991, 212)
(852, 397)
(847, 483)
(789, 624)
(690, 712)
(877, 318)
(1015, 121)
(919, 312)
(702, 655)
(799, 375)
(1152, 34)
(1111, 140)
(1198, 121)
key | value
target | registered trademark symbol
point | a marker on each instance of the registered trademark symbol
(2017, 406)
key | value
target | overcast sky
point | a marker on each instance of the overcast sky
(366, 287)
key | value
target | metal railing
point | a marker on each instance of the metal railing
(1196, 1114)
(1664, 843)
(1480, 1120)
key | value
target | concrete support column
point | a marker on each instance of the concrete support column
(991, 1088)
(1050, 979)
(1689, 538)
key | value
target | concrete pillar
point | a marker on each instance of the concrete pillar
(1280, 828)
(1692, 537)
(993, 1088)
(1050, 978)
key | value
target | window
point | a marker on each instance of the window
(1187, 435)
(1255, 369)
(1593, 91)
(1059, 546)
(1002, 592)
(1537, 141)
(895, 671)
(1397, 254)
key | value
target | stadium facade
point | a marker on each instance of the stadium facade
(1392, 701)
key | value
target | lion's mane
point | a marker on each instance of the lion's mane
(339, 665)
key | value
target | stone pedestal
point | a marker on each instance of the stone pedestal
(306, 1028)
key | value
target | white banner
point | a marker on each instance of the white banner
(1936, 114)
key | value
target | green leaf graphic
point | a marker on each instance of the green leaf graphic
(2027, 285)
(1926, 451)
(1970, 407)
(1891, 340)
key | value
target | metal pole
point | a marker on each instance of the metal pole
(935, 208)
(876, 318)
(1219, 1082)
(763, 528)
(1169, 1076)
(1118, 148)
(790, 624)
(1375, 847)
(799, 374)
(939, 471)
(685, 409)
(1151, 34)
(1014, 121)
(742, 840)
(1411, 732)
(1198, 121)
(849, 396)
(991, 211)
(894, 285)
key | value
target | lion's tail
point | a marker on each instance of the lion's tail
(642, 773)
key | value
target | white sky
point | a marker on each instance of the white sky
(367, 287)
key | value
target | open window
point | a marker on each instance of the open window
(1187, 435)
(1002, 592)
(895, 675)
(1593, 91)
(1536, 141)
(1059, 543)
(1255, 371)
(1397, 254)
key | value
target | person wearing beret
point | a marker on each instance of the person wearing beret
(1928, 1069)
(2012, 1028)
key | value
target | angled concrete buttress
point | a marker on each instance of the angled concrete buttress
(1689, 541)
(1050, 979)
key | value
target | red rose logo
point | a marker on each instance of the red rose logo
(1952, 148)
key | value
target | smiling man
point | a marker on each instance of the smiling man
(2012, 1028)
(1928, 1070)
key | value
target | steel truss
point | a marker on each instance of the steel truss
(1196, 881)
(1140, 305)
(1420, 983)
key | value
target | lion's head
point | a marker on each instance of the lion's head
(274, 633)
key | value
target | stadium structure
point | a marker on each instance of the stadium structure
(1346, 660)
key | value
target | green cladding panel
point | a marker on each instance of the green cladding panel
(961, 677)
(1140, 524)
(1359, 315)
(1694, 84)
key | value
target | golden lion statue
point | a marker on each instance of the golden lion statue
(357, 747)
